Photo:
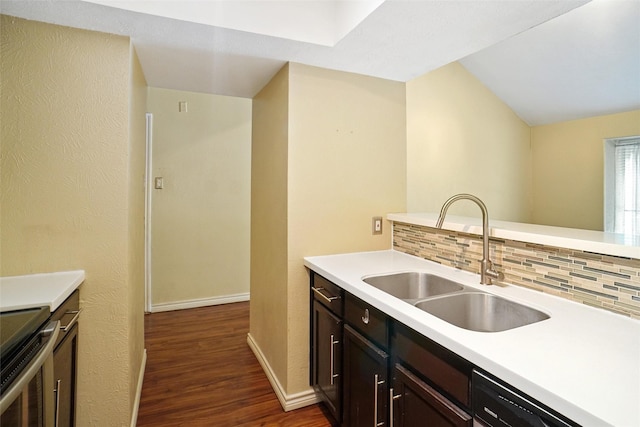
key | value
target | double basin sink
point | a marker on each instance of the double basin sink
(455, 303)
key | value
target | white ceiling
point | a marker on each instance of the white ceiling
(582, 64)
(237, 52)
(321, 22)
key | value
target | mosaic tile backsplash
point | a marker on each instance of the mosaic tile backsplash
(602, 281)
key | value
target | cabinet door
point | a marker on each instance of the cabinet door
(64, 371)
(327, 357)
(416, 404)
(365, 382)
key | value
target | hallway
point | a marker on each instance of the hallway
(201, 372)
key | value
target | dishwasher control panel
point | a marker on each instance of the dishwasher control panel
(496, 404)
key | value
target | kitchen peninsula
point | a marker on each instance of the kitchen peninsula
(588, 283)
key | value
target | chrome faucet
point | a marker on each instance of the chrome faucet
(487, 272)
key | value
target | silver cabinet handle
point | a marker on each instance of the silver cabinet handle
(318, 291)
(365, 318)
(376, 383)
(57, 391)
(392, 398)
(69, 325)
(332, 361)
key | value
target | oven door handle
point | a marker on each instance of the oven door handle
(43, 359)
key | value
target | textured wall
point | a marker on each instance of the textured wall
(568, 168)
(65, 190)
(268, 326)
(462, 139)
(136, 178)
(201, 219)
(347, 163)
(328, 155)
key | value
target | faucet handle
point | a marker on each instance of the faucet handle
(494, 274)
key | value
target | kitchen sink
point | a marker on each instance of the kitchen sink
(413, 285)
(481, 312)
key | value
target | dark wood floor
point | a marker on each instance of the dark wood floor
(201, 372)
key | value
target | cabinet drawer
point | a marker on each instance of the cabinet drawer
(444, 369)
(418, 403)
(329, 294)
(368, 320)
(68, 314)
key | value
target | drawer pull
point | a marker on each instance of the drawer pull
(73, 321)
(392, 398)
(332, 361)
(365, 318)
(318, 291)
(57, 393)
(376, 383)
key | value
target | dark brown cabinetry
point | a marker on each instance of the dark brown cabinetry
(327, 357)
(430, 383)
(445, 370)
(326, 343)
(372, 370)
(65, 357)
(416, 404)
(368, 320)
(366, 382)
(366, 364)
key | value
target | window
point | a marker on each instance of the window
(622, 185)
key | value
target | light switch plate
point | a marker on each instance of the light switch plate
(376, 225)
(158, 183)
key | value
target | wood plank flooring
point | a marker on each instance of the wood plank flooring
(201, 372)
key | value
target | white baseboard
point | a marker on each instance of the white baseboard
(136, 402)
(202, 302)
(288, 402)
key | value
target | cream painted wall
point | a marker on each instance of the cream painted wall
(347, 163)
(70, 150)
(269, 159)
(462, 139)
(341, 138)
(201, 219)
(136, 178)
(568, 168)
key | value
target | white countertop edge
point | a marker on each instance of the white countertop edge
(38, 290)
(570, 238)
(486, 350)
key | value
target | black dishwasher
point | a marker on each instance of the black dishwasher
(497, 405)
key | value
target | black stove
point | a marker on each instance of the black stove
(20, 340)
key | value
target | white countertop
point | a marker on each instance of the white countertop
(583, 362)
(38, 290)
(572, 238)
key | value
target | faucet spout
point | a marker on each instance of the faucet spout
(487, 272)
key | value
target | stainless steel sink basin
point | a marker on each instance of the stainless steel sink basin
(481, 312)
(413, 285)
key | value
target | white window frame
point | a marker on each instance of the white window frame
(610, 178)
